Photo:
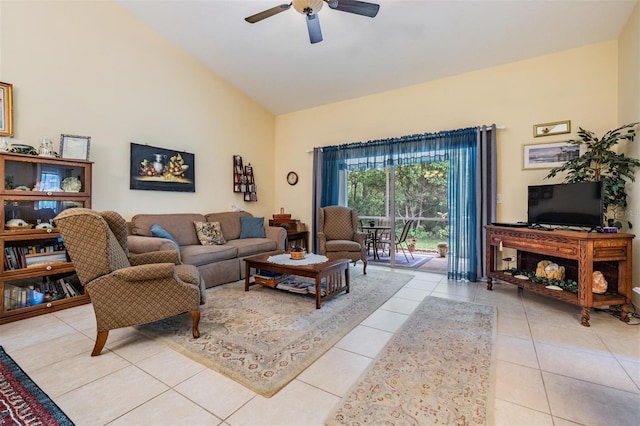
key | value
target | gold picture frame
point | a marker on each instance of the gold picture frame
(74, 147)
(554, 128)
(6, 109)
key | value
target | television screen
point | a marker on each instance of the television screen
(566, 204)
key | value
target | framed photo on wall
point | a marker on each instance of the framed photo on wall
(548, 155)
(75, 147)
(161, 169)
(6, 109)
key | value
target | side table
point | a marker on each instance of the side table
(298, 236)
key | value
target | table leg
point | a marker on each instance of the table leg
(247, 275)
(318, 291)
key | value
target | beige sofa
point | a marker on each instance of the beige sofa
(217, 264)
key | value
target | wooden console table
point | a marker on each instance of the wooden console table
(580, 253)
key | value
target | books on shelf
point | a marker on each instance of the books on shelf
(22, 296)
(16, 257)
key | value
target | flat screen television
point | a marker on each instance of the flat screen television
(566, 204)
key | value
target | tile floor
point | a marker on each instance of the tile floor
(549, 369)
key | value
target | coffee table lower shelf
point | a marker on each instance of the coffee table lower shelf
(331, 272)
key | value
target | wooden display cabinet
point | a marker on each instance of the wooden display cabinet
(36, 276)
(580, 253)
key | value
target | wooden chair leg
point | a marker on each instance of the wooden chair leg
(196, 320)
(101, 339)
(364, 269)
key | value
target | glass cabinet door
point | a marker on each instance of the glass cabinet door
(30, 214)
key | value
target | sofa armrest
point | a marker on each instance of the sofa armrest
(278, 234)
(140, 244)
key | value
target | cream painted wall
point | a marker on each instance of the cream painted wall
(90, 68)
(629, 112)
(517, 95)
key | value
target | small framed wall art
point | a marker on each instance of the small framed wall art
(75, 147)
(555, 128)
(6, 109)
(548, 155)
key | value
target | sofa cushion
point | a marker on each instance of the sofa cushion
(159, 232)
(252, 227)
(201, 255)
(180, 225)
(209, 233)
(229, 222)
(250, 246)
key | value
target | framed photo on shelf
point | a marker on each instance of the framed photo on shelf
(6, 109)
(555, 128)
(74, 147)
(548, 155)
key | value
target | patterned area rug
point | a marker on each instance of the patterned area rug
(265, 337)
(22, 402)
(436, 370)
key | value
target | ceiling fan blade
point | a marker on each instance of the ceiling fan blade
(354, 6)
(267, 13)
(313, 25)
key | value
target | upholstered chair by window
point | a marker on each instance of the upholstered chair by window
(338, 235)
(126, 290)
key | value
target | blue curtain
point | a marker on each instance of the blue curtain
(458, 147)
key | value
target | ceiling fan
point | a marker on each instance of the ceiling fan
(310, 8)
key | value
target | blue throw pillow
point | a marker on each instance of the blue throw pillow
(159, 232)
(252, 227)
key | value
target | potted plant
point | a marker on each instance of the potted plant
(599, 161)
(412, 244)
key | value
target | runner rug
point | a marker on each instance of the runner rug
(437, 369)
(22, 402)
(265, 337)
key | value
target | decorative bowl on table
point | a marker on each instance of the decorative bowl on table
(296, 254)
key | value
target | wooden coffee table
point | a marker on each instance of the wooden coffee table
(330, 271)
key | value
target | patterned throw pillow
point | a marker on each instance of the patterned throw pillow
(209, 233)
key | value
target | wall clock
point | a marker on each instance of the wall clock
(292, 178)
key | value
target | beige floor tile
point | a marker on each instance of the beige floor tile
(365, 341)
(80, 317)
(558, 421)
(135, 347)
(517, 351)
(521, 385)
(216, 393)
(633, 370)
(181, 367)
(581, 338)
(421, 284)
(52, 351)
(587, 366)
(514, 327)
(509, 414)
(457, 289)
(626, 348)
(32, 331)
(402, 306)
(77, 371)
(591, 404)
(108, 398)
(336, 371)
(412, 294)
(385, 320)
(296, 405)
(168, 409)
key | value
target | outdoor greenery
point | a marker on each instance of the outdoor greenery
(600, 162)
(421, 194)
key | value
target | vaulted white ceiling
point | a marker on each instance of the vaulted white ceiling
(408, 42)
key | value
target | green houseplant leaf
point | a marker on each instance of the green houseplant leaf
(599, 161)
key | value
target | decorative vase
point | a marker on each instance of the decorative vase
(443, 249)
(412, 248)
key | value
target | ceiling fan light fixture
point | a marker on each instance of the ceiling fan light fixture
(308, 7)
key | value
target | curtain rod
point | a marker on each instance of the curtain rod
(489, 125)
